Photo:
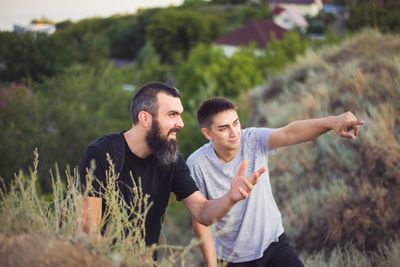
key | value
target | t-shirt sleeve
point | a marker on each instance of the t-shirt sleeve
(93, 158)
(183, 184)
(261, 135)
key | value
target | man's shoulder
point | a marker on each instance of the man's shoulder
(253, 134)
(104, 142)
(198, 155)
(253, 131)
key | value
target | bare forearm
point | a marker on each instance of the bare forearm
(306, 130)
(345, 125)
(91, 215)
(214, 210)
(205, 236)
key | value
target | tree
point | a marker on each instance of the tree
(28, 56)
(281, 52)
(174, 32)
(61, 116)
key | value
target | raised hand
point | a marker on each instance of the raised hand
(347, 125)
(241, 186)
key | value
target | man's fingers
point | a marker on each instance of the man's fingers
(247, 183)
(355, 122)
(242, 168)
(356, 131)
(256, 175)
(243, 192)
(347, 134)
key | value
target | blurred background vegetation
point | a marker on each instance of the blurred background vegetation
(340, 200)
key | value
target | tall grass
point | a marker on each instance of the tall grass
(27, 214)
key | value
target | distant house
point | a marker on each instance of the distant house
(259, 33)
(43, 28)
(304, 7)
(289, 18)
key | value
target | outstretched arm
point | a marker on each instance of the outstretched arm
(207, 212)
(345, 125)
(207, 246)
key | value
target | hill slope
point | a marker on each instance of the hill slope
(334, 191)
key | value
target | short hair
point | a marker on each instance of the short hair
(209, 108)
(146, 99)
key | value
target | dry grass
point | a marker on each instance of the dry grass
(334, 192)
(37, 228)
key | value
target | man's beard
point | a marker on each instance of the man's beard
(165, 151)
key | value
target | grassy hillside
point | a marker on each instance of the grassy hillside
(335, 192)
(339, 198)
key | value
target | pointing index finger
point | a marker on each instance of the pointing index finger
(356, 122)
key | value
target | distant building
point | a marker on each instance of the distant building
(304, 7)
(289, 18)
(43, 28)
(259, 33)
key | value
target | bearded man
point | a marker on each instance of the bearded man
(151, 154)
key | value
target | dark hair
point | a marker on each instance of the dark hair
(146, 98)
(209, 108)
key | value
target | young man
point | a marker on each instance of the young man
(251, 234)
(151, 153)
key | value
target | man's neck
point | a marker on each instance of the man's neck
(136, 140)
(224, 154)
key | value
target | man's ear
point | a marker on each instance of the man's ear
(206, 133)
(145, 119)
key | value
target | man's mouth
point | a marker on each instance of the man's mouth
(173, 132)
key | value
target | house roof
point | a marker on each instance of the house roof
(299, 2)
(259, 32)
(277, 10)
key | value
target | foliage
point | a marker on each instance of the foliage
(42, 20)
(174, 32)
(32, 56)
(232, 2)
(21, 123)
(62, 115)
(383, 16)
(127, 34)
(88, 38)
(279, 53)
(232, 15)
(148, 66)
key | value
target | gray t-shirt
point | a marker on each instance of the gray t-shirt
(252, 224)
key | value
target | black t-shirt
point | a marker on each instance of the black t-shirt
(156, 181)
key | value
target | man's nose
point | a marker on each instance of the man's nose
(179, 122)
(232, 132)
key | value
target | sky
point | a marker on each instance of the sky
(23, 11)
